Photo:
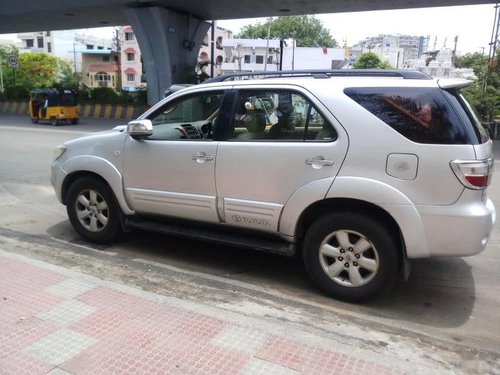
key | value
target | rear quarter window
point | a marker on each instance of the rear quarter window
(422, 115)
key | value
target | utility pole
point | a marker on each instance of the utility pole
(1, 76)
(118, 45)
(238, 46)
(269, 20)
(493, 46)
(212, 48)
(454, 54)
(74, 57)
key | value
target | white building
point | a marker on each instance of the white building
(9, 43)
(249, 55)
(398, 50)
(442, 66)
(313, 58)
(65, 44)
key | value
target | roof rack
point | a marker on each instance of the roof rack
(406, 74)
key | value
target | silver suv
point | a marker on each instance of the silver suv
(361, 171)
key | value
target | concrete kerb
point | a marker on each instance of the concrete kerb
(108, 111)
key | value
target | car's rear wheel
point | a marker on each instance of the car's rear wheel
(351, 256)
(93, 211)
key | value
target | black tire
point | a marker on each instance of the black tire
(54, 121)
(361, 255)
(34, 120)
(74, 121)
(93, 211)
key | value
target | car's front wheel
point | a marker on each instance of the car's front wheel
(351, 256)
(93, 211)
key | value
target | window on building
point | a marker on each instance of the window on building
(259, 59)
(102, 77)
(89, 46)
(29, 43)
(130, 56)
(130, 77)
(100, 47)
(47, 33)
(105, 58)
(247, 59)
(49, 47)
(39, 42)
(218, 43)
(129, 36)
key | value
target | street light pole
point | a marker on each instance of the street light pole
(1, 77)
(493, 45)
(74, 56)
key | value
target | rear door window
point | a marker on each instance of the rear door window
(278, 115)
(422, 115)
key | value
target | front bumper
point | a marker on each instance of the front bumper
(57, 176)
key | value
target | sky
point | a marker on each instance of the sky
(473, 24)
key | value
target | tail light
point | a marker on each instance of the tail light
(473, 174)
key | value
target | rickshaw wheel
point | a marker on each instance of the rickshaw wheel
(74, 121)
(34, 120)
(54, 121)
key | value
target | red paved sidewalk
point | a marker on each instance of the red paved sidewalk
(56, 321)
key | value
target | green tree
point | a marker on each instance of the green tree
(486, 102)
(36, 70)
(475, 61)
(370, 60)
(67, 78)
(4, 52)
(308, 31)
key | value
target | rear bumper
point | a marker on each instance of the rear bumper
(457, 230)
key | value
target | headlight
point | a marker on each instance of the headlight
(59, 150)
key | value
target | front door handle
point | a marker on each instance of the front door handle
(202, 157)
(319, 162)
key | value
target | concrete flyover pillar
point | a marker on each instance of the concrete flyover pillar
(169, 43)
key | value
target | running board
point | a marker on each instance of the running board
(217, 234)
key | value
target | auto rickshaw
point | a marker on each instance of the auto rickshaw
(53, 105)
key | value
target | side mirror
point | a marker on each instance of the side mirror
(138, 129)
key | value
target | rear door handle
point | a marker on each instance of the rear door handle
(202, 157)
(319, 162)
